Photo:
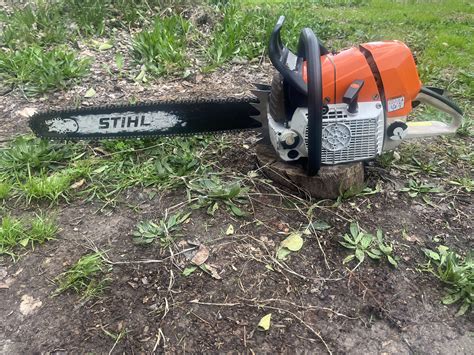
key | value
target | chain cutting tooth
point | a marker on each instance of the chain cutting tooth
(262, 105)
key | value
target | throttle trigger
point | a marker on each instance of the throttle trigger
(351, 95)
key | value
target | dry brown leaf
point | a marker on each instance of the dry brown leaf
(201, 255)
(78, 184)
(212, 269)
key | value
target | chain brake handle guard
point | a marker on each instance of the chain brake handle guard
(290, 67)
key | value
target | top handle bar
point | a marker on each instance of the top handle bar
(291, 67)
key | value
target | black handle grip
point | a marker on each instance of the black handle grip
(309, 49)
(279, 54)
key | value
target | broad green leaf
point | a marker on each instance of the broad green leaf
(24, 242)
(431, 254)
(320, 225)
(452, 297)
(90, 93)
(265, 322)
(360, 255)
(141, 76)
(375, 251)
(282, 253)
(443, 249)
(392, 261)
(366, 240)
(348, 239)
(372, 255)
(379, 236)
(293, 242)
(119, 61)
(359, 237)
(348, 258)
(105, 46)
(386, 249)
(347, 245)
(230, 230)
(354, 228)
(463, 309)
(237, 211)
(189, 270)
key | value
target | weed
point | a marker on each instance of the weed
(466, 183)
(456, 272)
(386, 159)
(36, 71)
(418, 166)
(86, 277)
(366, 244)
(212, 191)
(415, 188)
(163, 49)
(166, 230)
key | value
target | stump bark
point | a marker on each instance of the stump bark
(330, 182)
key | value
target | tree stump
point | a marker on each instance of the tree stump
(330, 182)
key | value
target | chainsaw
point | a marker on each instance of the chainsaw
(322, 107)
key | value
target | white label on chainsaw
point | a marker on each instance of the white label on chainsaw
(59, 125)
(116, 123)
(396, 104)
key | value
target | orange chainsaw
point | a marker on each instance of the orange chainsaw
(321, 108)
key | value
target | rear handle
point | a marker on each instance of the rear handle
(420, 129)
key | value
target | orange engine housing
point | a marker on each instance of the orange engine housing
(387, 68)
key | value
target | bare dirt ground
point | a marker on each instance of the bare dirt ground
(317, 304)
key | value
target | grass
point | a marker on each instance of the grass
(38, 23)
(240, 33)
(36, 169)
(5, 190)
(25, 155)
(163, 48)
(86, 277)
(34, 70)
(46, 187)
(17, 234)
(456, 272)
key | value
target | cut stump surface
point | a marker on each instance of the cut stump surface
(330, 182)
